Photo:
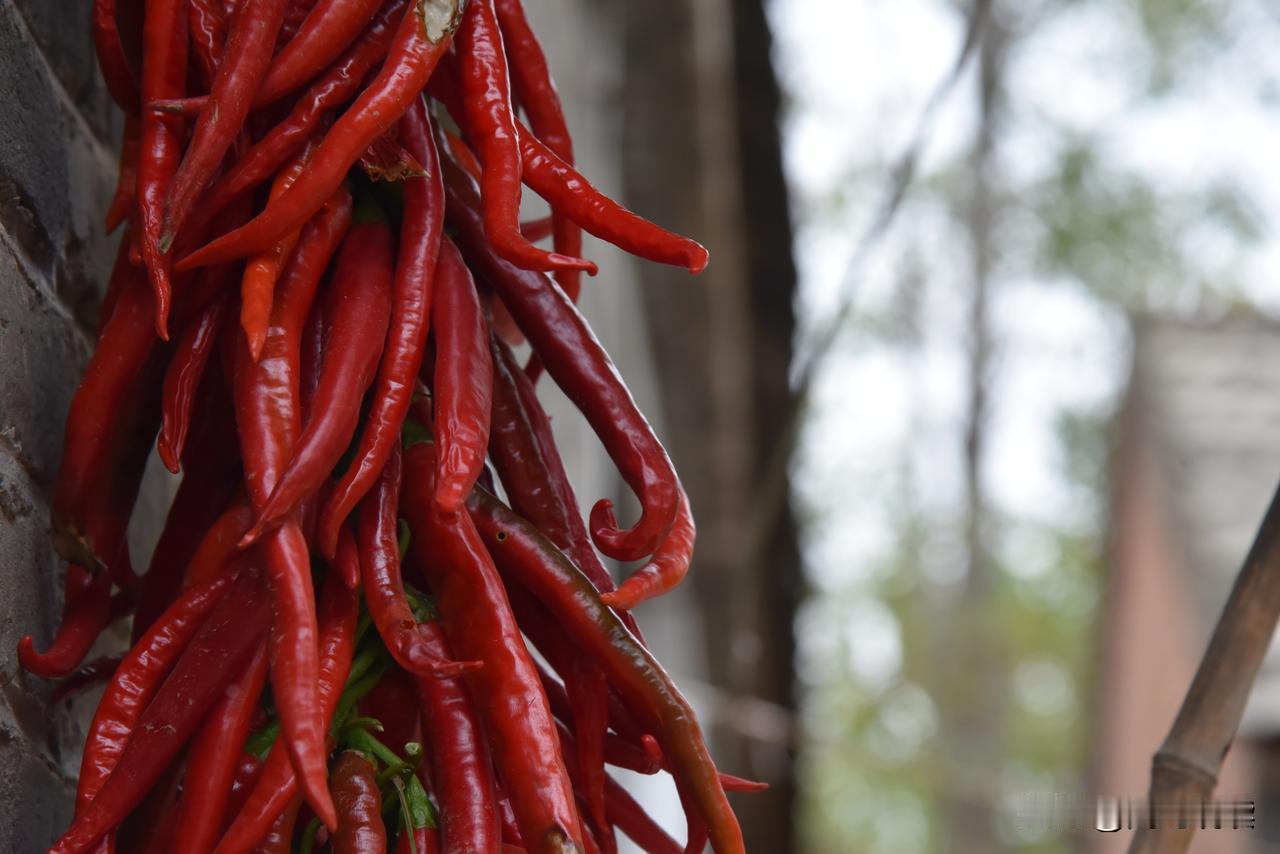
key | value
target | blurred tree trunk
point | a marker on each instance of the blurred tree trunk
(971, 659)
(702, 155)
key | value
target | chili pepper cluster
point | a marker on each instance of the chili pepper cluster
(320, 282)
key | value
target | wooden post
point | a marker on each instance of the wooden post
(1185, 768)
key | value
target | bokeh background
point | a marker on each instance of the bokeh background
(977, 403)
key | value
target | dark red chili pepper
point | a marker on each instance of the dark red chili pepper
(525, 555)
(631, 819)
(251, 40)
(581, 367)
(510, 830)
(248, 770)
(279, 839)
(329, 91)
(360, 298)
(426, 840)
(487, 99)
(83, 619)
(347, 560)
(666, 569)
(410, 61)
(277, 784)
(164, 75)
(126, 194)
(208, 23)
(531, 81)
(121, 79)
(462, 773)
(149, 829)
(463, 380)
(478, 622)
(328, 29)
(211, 660)
(182, 379)
(214, 754)
(135, 682)
(383, 588)
(416, 264)
(393, 703)
(355, 791)
(220, 544)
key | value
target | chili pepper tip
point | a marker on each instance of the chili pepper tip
(567, 262)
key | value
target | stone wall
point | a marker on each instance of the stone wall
(57, 132)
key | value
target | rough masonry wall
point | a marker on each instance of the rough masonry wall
(57, 132)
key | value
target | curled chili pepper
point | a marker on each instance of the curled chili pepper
(666, 569)
(83, 619)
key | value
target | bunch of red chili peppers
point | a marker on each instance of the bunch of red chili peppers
(312, 316)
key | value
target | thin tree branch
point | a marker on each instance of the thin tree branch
(772, 493)
(1185, 768)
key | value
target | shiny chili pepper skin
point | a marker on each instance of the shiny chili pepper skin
(83, 619)
(182, 380)
(479, 625)
(329, 91)
(383, 588)
(121, 79)
(524, 554)
(360, 311)
(415, 274)
(666, 569)
(135, 682)
(327, 31)
(251, 39)
(410, 61)
(355, 791)
(463, 380)
(214, 755)
(572, 195)
(277, 784)
(211, 660)
(534, 88)
(462, 773)
(581, 367)
(487, 99)
(426, 841)
(164, 73)
(279, 839)
(208, 24)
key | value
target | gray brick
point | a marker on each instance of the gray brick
(41, 358)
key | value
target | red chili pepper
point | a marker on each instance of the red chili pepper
(329, 91)
(510, 830)
(581, 367)
(570, 194)
(208, 23)
(182, 380)
(426, 840)
(212, 659)
(486, 94)
(524, 554)
(666, 569)
(393, 703)
(263, 270)
(478, 622)
(135, 682)
(420, 232)
(347, 560)
(361, 302)
(220, 544)
(83, 619)
(531, 80)
(126, 194)
(327, 31)
(355, 790)
(214, 754)
(251, 40)
(164, 75)
(121, 79)
(634, 821)
(383, 588)
(463, 380)
(279, 839)
(463, 776)
(413, 56)
(277, 784)
(248, 770)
